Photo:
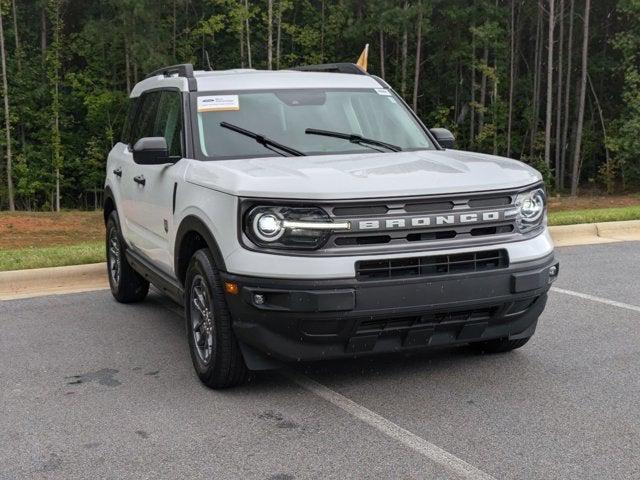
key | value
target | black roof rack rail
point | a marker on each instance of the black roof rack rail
(351, 68)
(183, 70)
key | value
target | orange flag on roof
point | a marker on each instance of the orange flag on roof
(364, 58)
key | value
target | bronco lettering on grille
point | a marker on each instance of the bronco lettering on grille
(399, 223)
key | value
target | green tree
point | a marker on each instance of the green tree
(625, 141)
(54, 62)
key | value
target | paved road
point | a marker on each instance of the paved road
(93, 389)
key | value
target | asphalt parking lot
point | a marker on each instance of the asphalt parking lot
(93, 389)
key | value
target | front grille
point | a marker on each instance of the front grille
(388, 222)
(434, 328)
(402, 324)
(432, 265)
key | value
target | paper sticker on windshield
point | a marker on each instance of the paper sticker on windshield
(383, 91)
(218, 103)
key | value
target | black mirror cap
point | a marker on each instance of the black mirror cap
(444, 137)
(152, 151)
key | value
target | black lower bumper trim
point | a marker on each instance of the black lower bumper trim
(311, 320)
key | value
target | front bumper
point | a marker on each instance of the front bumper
(311, 320)
(321, 319)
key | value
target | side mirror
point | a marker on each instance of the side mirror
(444, 137)
(151, 151)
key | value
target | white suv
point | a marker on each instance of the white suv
(308, 214)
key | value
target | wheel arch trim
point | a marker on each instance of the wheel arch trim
(108, 197)
(193, 223)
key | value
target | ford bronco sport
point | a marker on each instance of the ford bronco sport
(308, 214)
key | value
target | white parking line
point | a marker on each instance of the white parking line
(418, 444)
(434, 453)
(593, 298)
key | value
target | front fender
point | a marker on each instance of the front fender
(193, 223)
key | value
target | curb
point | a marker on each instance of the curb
(591, 233)
(81, 278)
(42, 281)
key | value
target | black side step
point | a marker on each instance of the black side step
(163, 282)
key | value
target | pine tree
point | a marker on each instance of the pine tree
(575, 177)
(7, 116)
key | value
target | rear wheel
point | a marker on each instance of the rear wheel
(127, 286)
(215, 352)
(499, 345)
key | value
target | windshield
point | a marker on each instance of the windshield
(283, 116)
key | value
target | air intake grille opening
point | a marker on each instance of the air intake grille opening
(421, 237)
(363, 210)
(489, 202)
(432, 266)
(403, 324)
(364, 240)
(480, 231)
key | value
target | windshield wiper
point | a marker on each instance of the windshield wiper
(354, 138)
(264, 141)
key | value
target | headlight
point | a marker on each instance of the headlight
(267, 226)
(290, 227)
(530, 209)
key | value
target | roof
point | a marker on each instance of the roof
(246, 79)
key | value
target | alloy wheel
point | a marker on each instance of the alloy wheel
(114, 256)
(201, 318)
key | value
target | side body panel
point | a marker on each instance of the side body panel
(120, 160)
(132, 195)
(152, 217)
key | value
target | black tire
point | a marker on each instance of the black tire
(127, 285)
(215, 352)
(499, 345)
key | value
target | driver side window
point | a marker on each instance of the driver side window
(168, 122)
(145, 119)
(160, 115)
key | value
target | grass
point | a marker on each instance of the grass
(51, 256)
(594, 215)
(44, 239)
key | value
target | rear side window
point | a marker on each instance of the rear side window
(144, 124)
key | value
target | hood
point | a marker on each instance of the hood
(376, 175)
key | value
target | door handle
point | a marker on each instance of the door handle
(139, 180)
(118, 172)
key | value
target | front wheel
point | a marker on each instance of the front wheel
(214, 349)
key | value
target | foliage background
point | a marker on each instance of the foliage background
(76, 60)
